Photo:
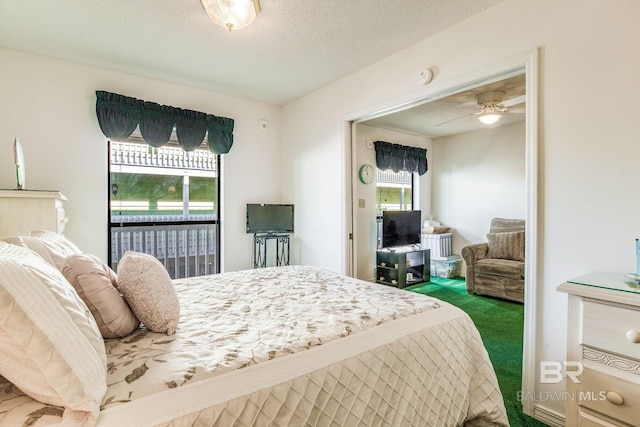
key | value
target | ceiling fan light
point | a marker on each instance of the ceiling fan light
(489, 119)
(232, 14)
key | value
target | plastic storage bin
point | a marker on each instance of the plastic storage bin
(440, 244)
(446, 267)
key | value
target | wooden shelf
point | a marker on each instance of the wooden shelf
(393, 265)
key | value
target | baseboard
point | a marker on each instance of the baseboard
(548, 417)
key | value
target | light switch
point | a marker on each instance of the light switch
(361, 203)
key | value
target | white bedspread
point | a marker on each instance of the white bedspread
(295, 346)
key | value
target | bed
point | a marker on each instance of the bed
(290, 346)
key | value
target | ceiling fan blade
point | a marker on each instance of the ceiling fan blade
(517, 110)
(457, 118)
(514, 101)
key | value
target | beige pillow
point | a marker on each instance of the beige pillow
(96, 283)
(507, 245)
(147, 287)
(51, 347)
(438, 229)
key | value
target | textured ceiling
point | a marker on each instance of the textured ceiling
(293, 47)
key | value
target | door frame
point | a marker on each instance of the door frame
(528, 63)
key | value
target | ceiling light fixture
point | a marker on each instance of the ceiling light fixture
(491, 103)
(232, 14)
(489, 119)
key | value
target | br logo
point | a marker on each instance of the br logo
(552, 372)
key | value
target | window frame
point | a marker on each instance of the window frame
(135, 138)
(412, 179)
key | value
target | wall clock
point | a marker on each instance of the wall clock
(367, 174)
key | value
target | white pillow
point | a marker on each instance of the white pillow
(147, 287)
(51, 347)
(51, 246)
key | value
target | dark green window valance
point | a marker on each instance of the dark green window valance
(401, 158)
(120, 115)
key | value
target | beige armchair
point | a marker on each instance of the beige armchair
(496, 268)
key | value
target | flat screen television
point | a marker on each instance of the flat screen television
(269, 218)
(400, 228)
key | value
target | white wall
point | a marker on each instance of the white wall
(366, 233)
(588, 150)
(50, 106)
(478, 176)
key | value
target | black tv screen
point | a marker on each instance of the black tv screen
(269, 218)
(400, 228)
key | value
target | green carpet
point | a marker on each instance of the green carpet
(500, 324)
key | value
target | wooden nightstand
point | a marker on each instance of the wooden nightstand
(604, 336)
(24, 210)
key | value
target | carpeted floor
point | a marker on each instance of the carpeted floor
(500, 324)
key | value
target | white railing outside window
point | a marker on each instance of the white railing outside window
(136, 154)
(185, 250)
(390, 177)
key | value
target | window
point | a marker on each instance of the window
(394, 191)
(165, 201)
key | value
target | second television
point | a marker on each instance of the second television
(269, 218)
(401, 228)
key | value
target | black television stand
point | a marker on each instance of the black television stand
(403, 266)
(261, 243)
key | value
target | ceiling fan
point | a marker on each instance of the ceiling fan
(491, 104)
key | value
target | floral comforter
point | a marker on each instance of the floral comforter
(233, 320)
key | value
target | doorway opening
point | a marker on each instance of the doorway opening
(526, 66)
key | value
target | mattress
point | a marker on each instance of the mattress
(289, 346)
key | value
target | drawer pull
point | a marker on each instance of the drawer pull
(633, 336)
(614, 398)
